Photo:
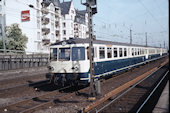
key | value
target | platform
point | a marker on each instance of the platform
(163, 103)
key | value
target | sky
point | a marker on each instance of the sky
(115, 18)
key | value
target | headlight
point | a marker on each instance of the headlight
(50, 68)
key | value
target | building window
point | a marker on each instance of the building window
(120, 52)
(109, 52)
(102, 52)
(64, 32)
(64, 24)
(64, 38)
(72, 11)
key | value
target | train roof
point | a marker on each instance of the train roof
(80, 41)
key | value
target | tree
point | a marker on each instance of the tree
(15, 40)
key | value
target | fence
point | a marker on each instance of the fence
(19, 61)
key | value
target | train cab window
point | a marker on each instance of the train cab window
(115, 52)
(53, 54)
(125, 52)
(101, 52)
(120, 52)
(109, 52)
(64, 54)
(78, 53)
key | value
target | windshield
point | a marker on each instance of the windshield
(64, 54)
(78, 53)
(53, 54)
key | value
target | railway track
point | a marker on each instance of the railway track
(113, 101)
(53, 98)
(9, 83)
(33, 84)
(32, 104)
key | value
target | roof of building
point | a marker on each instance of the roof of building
(56, 3)
(48, 2)
(80, 16)
(80, 41)
(65, 7)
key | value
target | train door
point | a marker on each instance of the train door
(161, 51)
(146, 54)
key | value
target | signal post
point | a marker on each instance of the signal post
(91, 8)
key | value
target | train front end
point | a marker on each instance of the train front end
(68, 64)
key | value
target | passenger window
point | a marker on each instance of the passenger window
(78, 53)
(133, 52)
(120, 52)
(109, 52)
(142, 51)
(101, 52)
(125, 52)
(138, 51)
(115, 52)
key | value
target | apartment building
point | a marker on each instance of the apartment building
(2, 15)
(74, 22)
(46, 21)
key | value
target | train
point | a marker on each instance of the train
(70, 64)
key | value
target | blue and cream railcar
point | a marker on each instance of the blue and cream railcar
(69, 60)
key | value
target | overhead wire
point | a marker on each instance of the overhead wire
(151, 14)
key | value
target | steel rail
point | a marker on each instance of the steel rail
(121, 88)
(152, 92)
(51, 101)
(97, 111)
(5, 108)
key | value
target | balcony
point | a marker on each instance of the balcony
(45, 20)
(45, 10)
(46, 41)
(57, 17)
(75, 28)
(45, 31)
(57, 24)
